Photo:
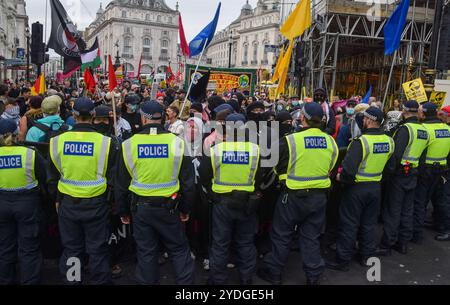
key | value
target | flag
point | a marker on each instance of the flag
(39, 86)
(366, 98)
(89, 81)
(204, 38)
(65, 40)
(91, 58)
(394, 28)
(284, 68)
(298, 21)
(169, 75)
(199, 88)
(276, 73)
(111, 75)
(183, 43)
(139, 68)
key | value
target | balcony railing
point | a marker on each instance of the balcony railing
(244, 63)
(147, 57)
(128, 56)
(264, 62)
(254, 62)
(164, 58)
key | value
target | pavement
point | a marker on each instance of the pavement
(426, 264)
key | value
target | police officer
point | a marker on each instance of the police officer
(306, 160)
(230, 172)
(411, 139)
(433, 166)
(444, 196)
(22, 176)
(81, 165)
(362, 171)
(160, 180)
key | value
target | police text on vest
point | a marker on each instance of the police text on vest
(147, 151)
(7, 162)
(78, 149)
(235, 157)
(422, 135)
(442, 133)
(381, 148)
(315, 142)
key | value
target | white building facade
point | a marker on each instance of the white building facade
(248, 35)
(134, 28)
(13, 24)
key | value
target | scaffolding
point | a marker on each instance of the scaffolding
(344, 48)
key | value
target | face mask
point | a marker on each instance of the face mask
(285, 129)
(257, 117)
(350, 111)
(133, 108)
(280, 107)
(102, 128)
(295, 103)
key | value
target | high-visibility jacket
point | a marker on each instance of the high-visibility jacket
(17, 168)
(439, 144)
(418, 141)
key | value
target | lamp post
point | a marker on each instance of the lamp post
(230, 44)
(117, 63)
(106, 64)
(27, 35)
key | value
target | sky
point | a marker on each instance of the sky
(196, 14)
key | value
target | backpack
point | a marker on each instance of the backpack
(49, 130)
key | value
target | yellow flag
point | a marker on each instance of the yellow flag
(298, 21)
(39, 86)
(284, 68)
(276, 73)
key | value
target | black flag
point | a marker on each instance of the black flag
(199, 88)
(65, 39)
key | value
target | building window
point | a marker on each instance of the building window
(124, 14)
(170, 20)
(164, 43)
(165, 33)
(245, 53)
(127, 46)
(255, 52)
(158, 19)
(146, 46)
(147, 17)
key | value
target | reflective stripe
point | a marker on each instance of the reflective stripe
(29, 167)
(408, 148)
(129, 158)
(334, 155)
(366, 147)
(102, 158)
(307, 178)
(370, 175)
(436, 159)
(216, 163)
(293, 156)
(83, 183)
(254, 164)
(154, 186)
(56, 156)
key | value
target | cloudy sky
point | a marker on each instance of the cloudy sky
(196, 13)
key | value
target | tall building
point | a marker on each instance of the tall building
(248, 36)
(13, 24)
(134, 28)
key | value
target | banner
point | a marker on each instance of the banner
(414, 90)
(225, 80)
(438, 98)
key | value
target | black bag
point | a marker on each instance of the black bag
(49, 131)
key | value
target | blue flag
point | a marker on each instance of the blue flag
(204, 38)
(394, 28)
(365, 99)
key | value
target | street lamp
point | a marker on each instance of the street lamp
(27, 35)
(117, 63)
(106, 63)
(230, 43)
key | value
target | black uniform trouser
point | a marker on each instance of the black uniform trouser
(235, 225)
(441, 204)
(152, 224)
(19, 236)
(358, 213)
(398, 210)
(426, 185)
(84, 225)
(308, 212)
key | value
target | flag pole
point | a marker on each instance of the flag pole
(190, 85)
(114, 113)
(389, 79)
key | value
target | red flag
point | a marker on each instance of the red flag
(111, 75)
(89, 80)
(169, 75)
(139, 69)
(183, 43)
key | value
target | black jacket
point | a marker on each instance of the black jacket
(123, 180)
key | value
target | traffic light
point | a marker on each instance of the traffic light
(38, 48)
